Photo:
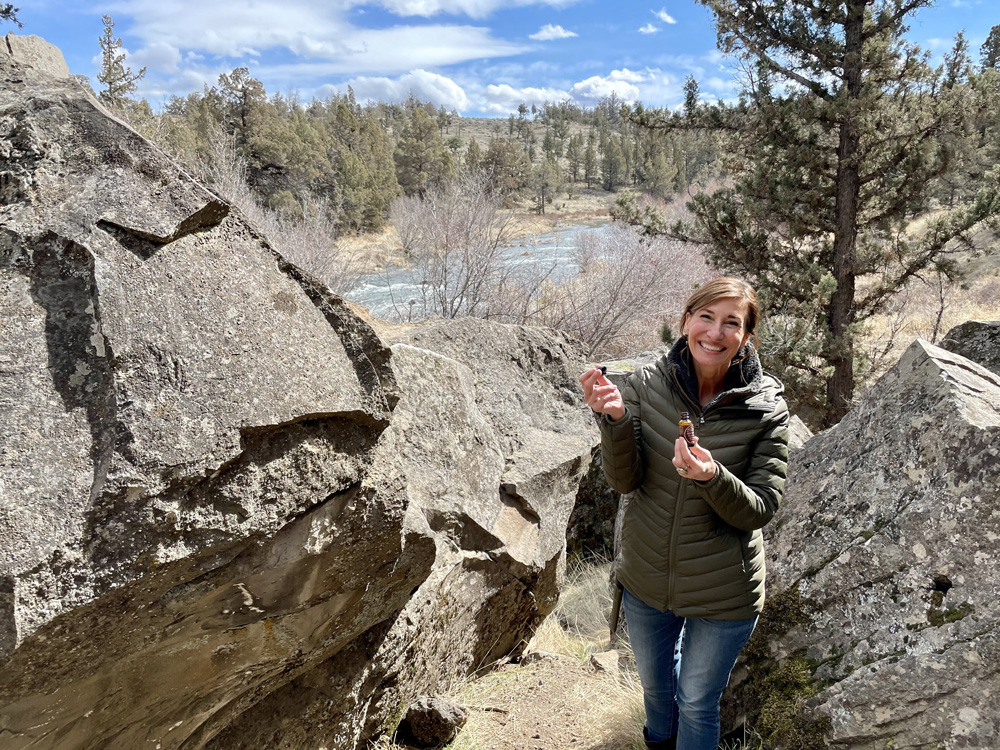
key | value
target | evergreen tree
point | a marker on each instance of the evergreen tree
(590, 160)
(836, 146)
(473, 155)
(119, 81)
(506, 166)
(990, 51)
(421, 157)
(612, 163)
(243, 100)
(574, 157)
(9, 13)
(549, 144)
(364, 165)
(546, 180)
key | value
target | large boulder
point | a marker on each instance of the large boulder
(979, 340)
(226, 505)
(883, 579)
(493, 442)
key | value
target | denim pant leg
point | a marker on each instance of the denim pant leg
(708, 654)
(654, 636)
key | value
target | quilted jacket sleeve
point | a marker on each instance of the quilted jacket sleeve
(621, 457)
(749, 503)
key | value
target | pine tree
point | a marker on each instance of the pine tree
(574, 157)
(612, 163)
(119, 81)
(9, 13)
(839, 140)
(990, 51)
(244, 100)
(364, 165)
(506, 166)
(545, 181)
(590, 159)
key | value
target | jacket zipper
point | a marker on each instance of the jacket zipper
(678, 503)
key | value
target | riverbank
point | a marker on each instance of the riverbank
(374, 251)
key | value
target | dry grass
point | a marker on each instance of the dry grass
(558, 699)
(920, 312)
(375, 250)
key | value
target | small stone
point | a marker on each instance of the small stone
(606, 661)
(434, 721)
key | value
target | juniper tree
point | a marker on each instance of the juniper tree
(841, 133)
(421, 157)
(118, 79)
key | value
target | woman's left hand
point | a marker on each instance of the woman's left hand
(693, 462)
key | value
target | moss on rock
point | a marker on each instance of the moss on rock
(772, 696)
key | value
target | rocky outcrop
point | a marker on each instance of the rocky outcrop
(979, 340)
(228, 508)
(492, 442)
(883, 578)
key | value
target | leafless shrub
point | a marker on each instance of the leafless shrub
(455, 237)
(309, 242)
(624, 281)
(626, 286)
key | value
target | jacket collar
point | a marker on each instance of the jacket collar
(744, 379)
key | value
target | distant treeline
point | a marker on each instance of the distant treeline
(356, 158)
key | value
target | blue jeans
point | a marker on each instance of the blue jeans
(682, 694)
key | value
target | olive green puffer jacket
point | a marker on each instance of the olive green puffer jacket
(695, 548)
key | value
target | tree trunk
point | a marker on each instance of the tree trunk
(840, 385)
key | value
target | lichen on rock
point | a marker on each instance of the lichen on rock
(887, 530)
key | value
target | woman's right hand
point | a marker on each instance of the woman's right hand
(601, 394)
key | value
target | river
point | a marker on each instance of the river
(387, 295)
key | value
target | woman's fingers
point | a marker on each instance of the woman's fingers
(600, 394)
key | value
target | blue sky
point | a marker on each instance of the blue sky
(481, 57)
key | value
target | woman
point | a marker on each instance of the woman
(692, 559)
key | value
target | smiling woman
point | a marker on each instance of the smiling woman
(692, 557)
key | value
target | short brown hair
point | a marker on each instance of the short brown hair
(725, 287)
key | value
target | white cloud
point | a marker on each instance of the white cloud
(426, 86)
(663, 15)
(548, 32)
(628, 75)
(503, 99)
(319, 32)
(470, 8)
(595, 88)
(937, 44)
(649, 29)
(157, 56)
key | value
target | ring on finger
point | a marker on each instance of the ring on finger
(682, 470)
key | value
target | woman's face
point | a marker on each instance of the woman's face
(717, 331)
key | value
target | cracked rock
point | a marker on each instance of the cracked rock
(231, 515)
(887, 540)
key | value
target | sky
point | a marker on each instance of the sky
(479, 57)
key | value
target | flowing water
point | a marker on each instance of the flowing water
(388, 294)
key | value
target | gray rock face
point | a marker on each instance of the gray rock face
(492, 454)
(978, 340)
(35, 52)
(889, 533)
(225, 504)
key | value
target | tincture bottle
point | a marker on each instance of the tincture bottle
(686, 427)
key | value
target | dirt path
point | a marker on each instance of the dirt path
(555, 702)
(549, 702)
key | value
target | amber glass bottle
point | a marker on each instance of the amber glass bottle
(686, 426)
